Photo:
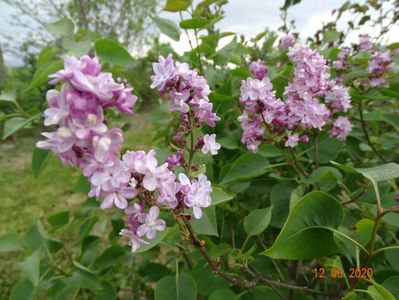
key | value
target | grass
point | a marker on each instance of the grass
(24, 198)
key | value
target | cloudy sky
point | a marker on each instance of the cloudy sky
(248, 17)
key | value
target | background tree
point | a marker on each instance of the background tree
(128, 22)
(3, 71)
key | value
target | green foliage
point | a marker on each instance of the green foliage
(113, 53)
(308, 231)
(168, 28)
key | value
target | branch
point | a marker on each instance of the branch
(244, 283)
(366, 134)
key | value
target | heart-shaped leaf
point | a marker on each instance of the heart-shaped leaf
(306, 233)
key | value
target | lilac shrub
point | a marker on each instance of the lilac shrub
(313, 102)
(136, 180)
(379, 66)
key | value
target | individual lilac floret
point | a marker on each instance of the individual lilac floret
(197, 193)
(287, 41)
(292, 140)
(258, 69)
(150, 223)
(210, 144)
(134, 240)
(341, 128)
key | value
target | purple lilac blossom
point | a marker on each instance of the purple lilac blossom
(258, 69)
(187, 90)
(341, 128)
(210, 144)
(83, 139)
(197, 193)
(302, 109)
(287, 41)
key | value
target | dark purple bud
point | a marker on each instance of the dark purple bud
(397, 197)
(304, 139)
(200, 142)
(179, 140)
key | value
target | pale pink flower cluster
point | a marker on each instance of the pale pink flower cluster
(187, 90)
(287, 41)
(258, 69)
(302, 111)
(83, 139)
(379, 67)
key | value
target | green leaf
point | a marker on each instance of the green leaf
(82, 185)
(30, 267)
(222, 56)
(37, 238)
(10, 242)
(248, 165)
(183, 287)
(23, 290)
(392, 257)
(152, 243)
(330, 36)
(177, 5)
(63, 27)
(280, 196)
(222, 294)
(58, 220)
(111, 52)
(374, 174)
(77, 48)
(84, 280)
(218, 196)
(154, 271)
(378, 292)
(207, 224)
(306, 233)
(109, 257)
(14, 124)
(257, 221)
(38, 160)
(329, 148)
(326, 177)
(289, 3)
(194, 23)
(392, 284)
(8, 95)
(363, 231)
(168, 28)
(41, 75)
(228, 142)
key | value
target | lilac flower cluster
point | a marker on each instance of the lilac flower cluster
(287, 41)
(188, 93)
(302, 111)
(187, 90)
(83, 139)
(379, 66)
